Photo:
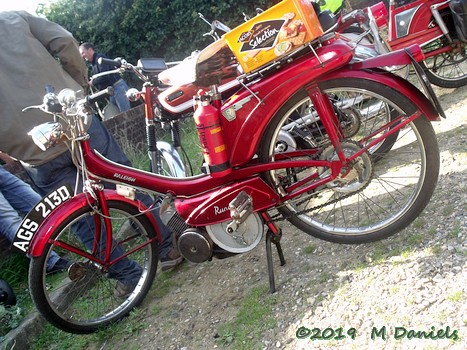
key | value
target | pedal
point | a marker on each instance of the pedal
(240, 208)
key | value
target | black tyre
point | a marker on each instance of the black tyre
(84, 297)
(391, 183)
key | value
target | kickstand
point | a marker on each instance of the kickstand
(273, 238)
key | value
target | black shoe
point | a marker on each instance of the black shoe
(171, 260)
(123, 290)
(60, 266)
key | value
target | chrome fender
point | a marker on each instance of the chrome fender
(172, 157)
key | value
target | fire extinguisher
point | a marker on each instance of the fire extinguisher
(209, 129)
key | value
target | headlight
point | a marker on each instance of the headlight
(46, 135)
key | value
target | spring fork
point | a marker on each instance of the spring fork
(107, 224)
(151, 139)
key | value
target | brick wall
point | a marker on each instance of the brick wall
(128, 127)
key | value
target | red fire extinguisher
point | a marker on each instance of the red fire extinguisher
(210, 135)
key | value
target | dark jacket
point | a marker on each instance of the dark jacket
(107, 80)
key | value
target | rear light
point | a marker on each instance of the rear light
(380, 13)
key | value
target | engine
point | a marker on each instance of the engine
(199, 244)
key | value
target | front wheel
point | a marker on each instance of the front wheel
(388, 185)
(88, 295)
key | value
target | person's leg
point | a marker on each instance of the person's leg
(17, 192)
(16, 197)
(9, 219)
(119, 97)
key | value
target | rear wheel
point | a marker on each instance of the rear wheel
(88, 295)
(384, 190)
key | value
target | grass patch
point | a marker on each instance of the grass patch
(419, 223)
(416, 238)
(253, 318)
(14, 270)
(309, 249)
(434, 250)
(456, 230)
(163, 284)
(359, 266)
(456, 296)
(448, 210)
(52, 338)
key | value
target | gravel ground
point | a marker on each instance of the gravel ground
(379, 295)
(371, 296)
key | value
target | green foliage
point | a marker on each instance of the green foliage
(254, 317)
(10, 318)
(147, 28)
(14, 270)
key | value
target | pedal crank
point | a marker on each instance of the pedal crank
(240, 208)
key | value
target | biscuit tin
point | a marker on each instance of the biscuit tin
(273, 33)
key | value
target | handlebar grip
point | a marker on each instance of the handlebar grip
(100, 95)
(107, 61)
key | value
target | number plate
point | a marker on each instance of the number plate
(37, 215)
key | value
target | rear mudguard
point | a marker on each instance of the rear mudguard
(173, 159)
(393, 58)
(399, 84)
(62, 212)
(369, 70)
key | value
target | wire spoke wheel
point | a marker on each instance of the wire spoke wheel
(87, 295)
(448, 69)
(382, 191)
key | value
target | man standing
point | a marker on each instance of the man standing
(37, 53)
(119, 85)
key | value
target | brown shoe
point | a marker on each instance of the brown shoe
(171, 260)
(123, 290)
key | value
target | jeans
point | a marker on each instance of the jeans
(16, 197)
(119, 97)
(61, 170)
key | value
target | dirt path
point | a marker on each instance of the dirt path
(415, 281)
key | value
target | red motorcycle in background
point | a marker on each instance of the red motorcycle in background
(440, 28)
(343, 150)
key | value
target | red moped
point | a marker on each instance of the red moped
(343, 151)
(437, 26)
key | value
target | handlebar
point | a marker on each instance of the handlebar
(109, 62)
(109, 91)
(121, 66)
